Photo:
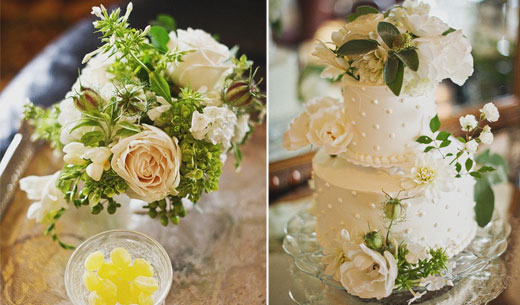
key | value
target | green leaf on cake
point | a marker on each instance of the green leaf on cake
(443, 135)
(435, 123)
(360, 11)
(409, 57)
(424, 140)
(388, 32)
(468, 164)
(428, 148)
(357, 47)
(159, 38)
(445, 143)
(485, 202)
(393, 74)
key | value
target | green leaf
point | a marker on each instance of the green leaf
(86, 122)
(476, 175)
(435, 123)
(92, 138)
(397, 83)
(159, 38)
(449, 154)
(495, 161)
(238, 156)
(450, 30)
(160, 86)
(127, 129)
(428, 148)
(390, 69)
(461, 139)
(458, 167)
(388, 32)
(409, 57)
(357, 46)
(484, 169)
(468, 164)
(443, 135)
(445, 143)
(362, 10)
(165, 21)
(485, 202)
(424, 140)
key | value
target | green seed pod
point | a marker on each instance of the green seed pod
(109, 192)
(152, 213)
(240, 93)
(373, 240)
(393, 208)
(162, 204)
(96, 209)
(88, 99)
(111, 209)
(174, 219)
(164, 219)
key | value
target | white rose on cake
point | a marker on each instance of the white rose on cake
(415, 17)
(48, 198)
(335, 66)
(366, 273)
(205, 65)
(149, 162)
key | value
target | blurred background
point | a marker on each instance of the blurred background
(43, 42)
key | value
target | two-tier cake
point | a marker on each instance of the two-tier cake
(393, 194)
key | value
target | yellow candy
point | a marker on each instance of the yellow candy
(94, 261)
(146, 284)
(108, 271)
(95, 299)
(90, 280)
(107, 290)
(124, 296)
(141, 267)
(120, 257)
(145, 299)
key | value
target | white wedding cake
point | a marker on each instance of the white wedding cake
(393, 194)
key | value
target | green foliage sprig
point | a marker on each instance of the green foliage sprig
(45, 123)
(409, 276)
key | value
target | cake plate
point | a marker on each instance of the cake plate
(479, 276)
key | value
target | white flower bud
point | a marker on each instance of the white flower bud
(486, 136)
(96, 10)
(468, 122)
(490, 112)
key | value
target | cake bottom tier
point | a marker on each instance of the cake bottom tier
(351, 197)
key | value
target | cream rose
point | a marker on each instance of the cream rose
(329, 129)
(205, 65)
(366, 273)
(149, 162)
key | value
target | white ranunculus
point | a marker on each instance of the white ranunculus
(430, 174)
(215, 125)
(335, 66)
(205, 66)
(48, 199)
(369, 67)
(471, 146)
(490, 112)
(415, 17)
(241, 129)
(366, 273)
(296, 136)
(329, 129)
(149, 162)
(468, 122)
(442, 57)
(486, 136)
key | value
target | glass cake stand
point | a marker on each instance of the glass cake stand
(479, 275)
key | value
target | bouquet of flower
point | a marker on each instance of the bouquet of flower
(404, 48)
(152, 115)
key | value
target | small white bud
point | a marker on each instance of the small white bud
(97, 11)
(146, 30)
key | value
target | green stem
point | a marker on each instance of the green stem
(388, 232)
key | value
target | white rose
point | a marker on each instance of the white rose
(316, 104)
(241, 129)
(471, 146)
(329, 129)
(490, 112)
(468, 122)
(48, 199)
(368, 274)
(442, 57)
(215, 125)
(414, 15)
(149, 162)
(206, 64)
(486, 136)
(296, 136)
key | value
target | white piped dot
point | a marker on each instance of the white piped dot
(376, 126)
(458, 213)
(388, 111)
(354, 193)
(447, 206)
(435, 225)
(363, 134)
(353, 123)
(417, 106)
(327, 185)
(404, 125)
(391, 135)
(377, 147)
(363, 88)
(401, 100)
(322, 212)
(329, 206)
(422, 238)
(353, 99)
(373, 205)
(354, 143)
(340, 200)
(320, 189)
(407, 231)
(363, 114)
(357, 216)
(406, 145)
(375, 102)
(420, 213)
(449, 229)
(406, 204)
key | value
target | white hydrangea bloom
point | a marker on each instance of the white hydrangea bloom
(214, 124)
(241, 129)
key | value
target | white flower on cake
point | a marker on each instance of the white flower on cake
(471, 146)
(414, 15)
(322, 124)
(486, 136)
(360, 28)
(215, 125)
(48, 199)
(205, 65)
(430, 175)
(333, 255)
(370, 66)
(468, 122)
(417, 252)
(149, 162)
(490, 112)
(335, 65)
(366, 273)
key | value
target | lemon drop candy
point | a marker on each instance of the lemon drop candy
(90, 280)
(146, 284)
(141, 267)
(108, 271)
(95, 299)
(120, 257)
(124, 296)
(145, 299)
(107, 290)
(94, 261)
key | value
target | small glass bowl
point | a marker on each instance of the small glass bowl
(139, 246)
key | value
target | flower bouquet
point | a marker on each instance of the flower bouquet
(151, 116)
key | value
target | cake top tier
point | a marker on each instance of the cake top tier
(403, 48)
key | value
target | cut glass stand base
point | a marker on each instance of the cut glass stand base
(479, 275)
